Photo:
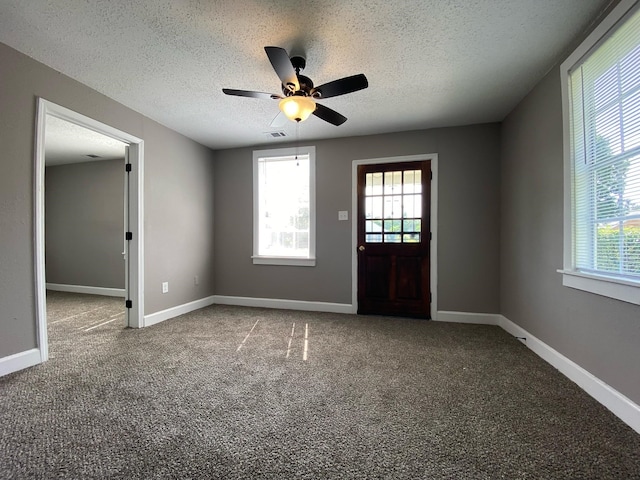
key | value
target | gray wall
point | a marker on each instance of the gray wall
(179, 220)
(178, 197)
(468, 229)
(84, 224)
(600, 334)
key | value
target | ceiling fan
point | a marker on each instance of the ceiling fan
(299, 95)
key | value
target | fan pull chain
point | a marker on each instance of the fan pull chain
(297, 142)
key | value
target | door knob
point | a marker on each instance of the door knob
(361, 248)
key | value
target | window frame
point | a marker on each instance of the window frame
(627, 290)
(310, 260)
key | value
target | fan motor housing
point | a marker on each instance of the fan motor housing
(306, 86)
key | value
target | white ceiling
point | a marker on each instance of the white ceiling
(429, 63)
(66, 142)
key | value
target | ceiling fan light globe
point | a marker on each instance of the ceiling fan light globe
(297, 108)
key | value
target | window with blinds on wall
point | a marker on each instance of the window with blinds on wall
(605, 150)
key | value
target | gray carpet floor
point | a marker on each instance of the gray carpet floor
(233, 392)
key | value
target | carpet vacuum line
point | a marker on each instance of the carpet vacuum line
(112, 317)
(293, 329)
(245, 338)
(306, 341)
(78, 314)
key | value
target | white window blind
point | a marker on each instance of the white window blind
(605, 149)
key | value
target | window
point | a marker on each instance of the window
(601, 94)
(393, 206)
(284, 206)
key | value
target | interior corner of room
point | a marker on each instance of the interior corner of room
(176, 231)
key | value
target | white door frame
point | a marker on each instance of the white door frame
(433, 251)
(135, 214)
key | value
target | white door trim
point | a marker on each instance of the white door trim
(136, 149)
(433, 158)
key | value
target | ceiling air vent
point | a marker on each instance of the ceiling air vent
(276, 134)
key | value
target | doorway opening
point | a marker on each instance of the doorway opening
(394, 241)
(52, 121)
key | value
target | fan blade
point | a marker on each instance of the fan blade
(329, 115)
(281, 63)
(342, 86)
(247, 93)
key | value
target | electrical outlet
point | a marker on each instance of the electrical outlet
(343, 215)
(165, 287)
(196, 280)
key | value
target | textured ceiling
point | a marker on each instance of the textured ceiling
(429, 63)
(66, 142)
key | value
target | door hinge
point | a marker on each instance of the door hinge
(128, 304)
(128, 235)
(430, 236)
(430, 297)
(127, 167)
(430, 175)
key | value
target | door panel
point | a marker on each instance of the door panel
(393, 239)
(408, 277)
(378, 270)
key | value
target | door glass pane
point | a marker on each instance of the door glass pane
(392, 183)
(412, 181)
(373, 184)
(411, 226)
(393, 206)
(392, 226)
(377, 207)
(373, 238)
(373, 207)
(409, 207)
(393, 238)
(408, 226)
(409, 181)
(417, 206)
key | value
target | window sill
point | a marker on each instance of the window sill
(625, 290)
(290, 261)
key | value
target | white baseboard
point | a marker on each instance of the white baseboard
(284, 304)
(466, 317)
(107, 292)
(172, 312)
(621, 406)
(19, 361)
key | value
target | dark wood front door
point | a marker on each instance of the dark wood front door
(394, 238)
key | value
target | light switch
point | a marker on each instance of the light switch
(343, 215)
